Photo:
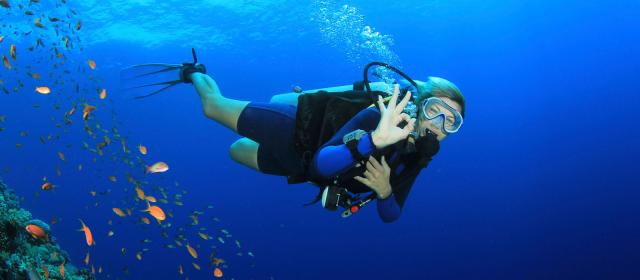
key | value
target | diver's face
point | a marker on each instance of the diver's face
(433, 125)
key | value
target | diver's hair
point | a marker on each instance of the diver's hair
(439, 87)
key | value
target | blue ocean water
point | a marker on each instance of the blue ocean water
(540, 183)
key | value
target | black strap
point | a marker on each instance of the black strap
(353, 149)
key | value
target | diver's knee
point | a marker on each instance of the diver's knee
(276, 98)
(241, 149)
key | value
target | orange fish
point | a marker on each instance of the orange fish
(12, 51)
(37, 23)
(36, 231)
(119, 212)
(140, 193)
(87, 234)
(93, 269)
(142, 149)
(192, 251)
(217, 272)
(158, 167)
(150, 198)
(92, 64)
(87, 110)
(43, 90)
(156, 212)
(35, 75)
(6, 62)
(47, 186)
(86, 259)
(45, 269)
(218, 261)
(145, 220)
(62, 269)
(103, 93)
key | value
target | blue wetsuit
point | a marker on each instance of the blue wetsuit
(272, 125)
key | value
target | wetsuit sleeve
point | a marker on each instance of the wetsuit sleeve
(390, 208)
(334, 157)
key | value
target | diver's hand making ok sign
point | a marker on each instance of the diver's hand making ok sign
(388, 133)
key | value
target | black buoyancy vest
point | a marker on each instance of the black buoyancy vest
(320, 115)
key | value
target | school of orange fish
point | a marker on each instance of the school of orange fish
(55, 32)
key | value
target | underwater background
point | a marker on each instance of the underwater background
(540, 183)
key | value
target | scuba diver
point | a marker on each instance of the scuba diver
(358, 143)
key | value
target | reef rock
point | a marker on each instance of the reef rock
(23, 257)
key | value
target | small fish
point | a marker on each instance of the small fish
(142, 149)
(43, 90)
(36, 231)
(45, 270)
(35, 75)
(47, 186)
(61, 156)
(78, 25)
(217, 272)
(192, 251)
(180, 269)
(150, 198)
(221, 240)
(92, 64)
(140, 193)
(157, 167)
(119, 212)
(6, 62)
(37, 23)
(12, 51)
(1, 38)
(53, 19)
(113, 179)
(156, 212)
(297, 89)
(145, 220)
(86, 259)
(218, 261)
(28, 13)
(87, 110)
(62, 269)
(103, 93)
(204, 236)
(139, 256)
(87, 234)
(196, 266)
(110, 233)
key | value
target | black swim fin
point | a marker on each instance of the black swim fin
(149, 79)
(144, 80)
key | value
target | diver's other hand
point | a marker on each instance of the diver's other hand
(189, 68)
(377, 177)
(388, 132)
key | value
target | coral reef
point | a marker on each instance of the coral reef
(22, 256)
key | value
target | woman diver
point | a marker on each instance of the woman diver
(367, 153)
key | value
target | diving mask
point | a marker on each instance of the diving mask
(441, 114)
